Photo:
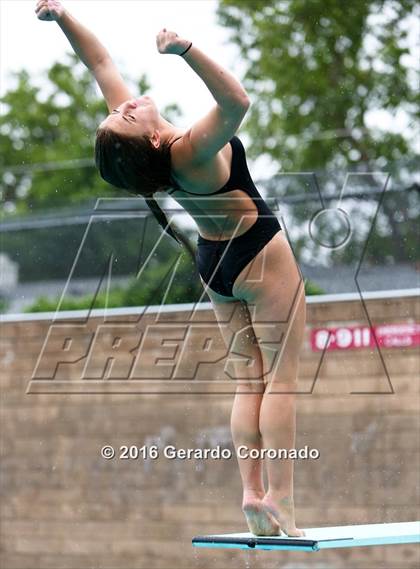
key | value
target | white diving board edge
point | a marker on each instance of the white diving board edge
(319, 538)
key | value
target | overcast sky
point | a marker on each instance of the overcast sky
(128, 30)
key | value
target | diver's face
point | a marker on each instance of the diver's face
(135, 116)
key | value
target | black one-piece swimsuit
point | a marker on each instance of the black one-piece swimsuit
(220, 262)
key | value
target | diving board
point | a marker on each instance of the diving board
(319, 538)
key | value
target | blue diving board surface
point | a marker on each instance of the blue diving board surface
(319, 538)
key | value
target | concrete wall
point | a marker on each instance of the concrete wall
(63, 506)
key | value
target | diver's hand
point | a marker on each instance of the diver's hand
(49, 10)
(170, 42)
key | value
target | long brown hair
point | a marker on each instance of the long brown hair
(132, 163)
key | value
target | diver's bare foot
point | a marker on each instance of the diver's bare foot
(259, 520)
(282, 509)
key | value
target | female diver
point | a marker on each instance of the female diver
(243, 257)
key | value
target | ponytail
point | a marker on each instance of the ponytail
(164, 223)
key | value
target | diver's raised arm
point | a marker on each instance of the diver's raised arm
(90, 50)
(211, 133)
(85, 44)
(225, 89)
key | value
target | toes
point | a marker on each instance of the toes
(294, 532)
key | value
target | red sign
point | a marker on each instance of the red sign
(354, 337)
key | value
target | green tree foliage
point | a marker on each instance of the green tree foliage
(40, 134)
(163, 284)
(155, 288)
(319, 72)
(47, 130)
